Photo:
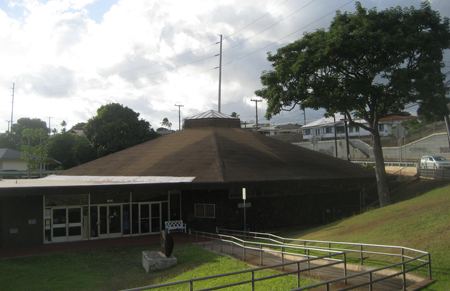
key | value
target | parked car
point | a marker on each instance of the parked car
(434, 162)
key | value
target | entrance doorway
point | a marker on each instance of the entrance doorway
(146, 218)
(106, 221)
(66, 224)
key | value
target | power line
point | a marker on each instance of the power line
(270, 26)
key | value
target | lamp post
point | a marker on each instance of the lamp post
(244, 197)
(346, 138)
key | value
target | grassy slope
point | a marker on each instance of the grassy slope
(421, 223)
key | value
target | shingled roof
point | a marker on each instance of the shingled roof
(221, 155)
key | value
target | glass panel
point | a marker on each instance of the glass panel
(156, 225)
(199, 210)
(126, 219)
(74, 215)
(85, 222)
(165, 212)
(145, 213)
(145, 222)
(94, 221)
(135, 219)
(103, 220)
(115, 219)
(155, 210)
(59, 231)
(59, 216)
(74, 230)
(209, 211)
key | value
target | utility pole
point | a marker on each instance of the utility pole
(49, 127)
(256, 102)
(179, 115)
(8, 123)
(12, 107)
(220, 73)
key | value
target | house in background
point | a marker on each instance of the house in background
(12, 166)
(196, 175)
(323, 128)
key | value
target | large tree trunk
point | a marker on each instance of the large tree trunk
(383, 192)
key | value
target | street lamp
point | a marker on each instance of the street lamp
(346, 138)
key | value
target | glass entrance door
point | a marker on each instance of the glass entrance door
(66, 224)
(148, 218)
(110, 221)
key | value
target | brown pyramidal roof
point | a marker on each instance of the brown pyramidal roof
(220, 154)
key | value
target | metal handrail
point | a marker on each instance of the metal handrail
(370, 272)
(331, 252)
(282, 240)
(253, 280)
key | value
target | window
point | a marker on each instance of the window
(340, 129)
(306, 131)
(350, 129)
(205, 210)
(329, 129)
(381, 127)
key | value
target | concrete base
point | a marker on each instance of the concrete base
(153, 261)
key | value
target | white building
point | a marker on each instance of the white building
(324, 128)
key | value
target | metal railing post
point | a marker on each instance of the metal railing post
(282, 258)
(404, 276)
(361, 254)
(298, 275)
(370, 281)
(253, 280)
(345, 267)
(243, 251)
(429, 266)
(191, 285)
(260, 255)
(309, 263)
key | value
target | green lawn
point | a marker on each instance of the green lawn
(121, 268)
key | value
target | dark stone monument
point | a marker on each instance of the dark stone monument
(166, 243)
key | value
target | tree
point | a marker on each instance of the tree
(78, 126)
(116, 128)
(71, 149)
(166, 123)
(35, 156)
(234, 114)
(366, 65)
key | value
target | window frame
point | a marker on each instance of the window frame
(205, 211)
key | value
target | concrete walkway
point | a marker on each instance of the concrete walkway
(253, 258)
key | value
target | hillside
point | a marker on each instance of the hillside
(421, 223)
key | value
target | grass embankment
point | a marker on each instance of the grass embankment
(421, 223)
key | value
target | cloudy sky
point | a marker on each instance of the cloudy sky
(66, 58)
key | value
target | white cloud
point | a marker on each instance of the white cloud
(148, 55)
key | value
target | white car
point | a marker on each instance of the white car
(434, 162)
